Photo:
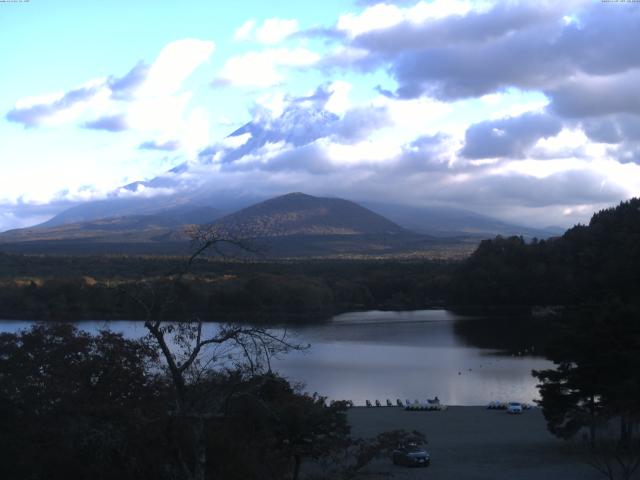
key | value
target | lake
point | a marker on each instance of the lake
(408, 355)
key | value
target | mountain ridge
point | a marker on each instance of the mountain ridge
(291, 225)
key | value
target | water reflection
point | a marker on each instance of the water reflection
(414, 355)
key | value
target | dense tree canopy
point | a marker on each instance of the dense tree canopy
(597, 352)
(597, 262)
(77, 288)
(73, 405)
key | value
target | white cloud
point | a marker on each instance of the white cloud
(176, 62)
(269, 105)
(143, 191)
(373, 18)
(153, 100)
(262, 155)
(366, 152)
(149, 100)
(274, 30)
(271, 32)
(195, 131)
(436, 9)
(236, 141)
(339, 102)
(263, 69)
(162, 114)
(245, 30)
(383, 15)
(517, 108)
(416, 117)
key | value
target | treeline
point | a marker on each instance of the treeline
(593, 272)
(76, 288)
(592, 263)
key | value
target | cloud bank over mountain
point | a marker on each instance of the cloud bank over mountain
(518, 110)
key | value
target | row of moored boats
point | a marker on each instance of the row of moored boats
(432, 404)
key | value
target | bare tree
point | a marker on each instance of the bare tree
(614, 459)
(192, 350)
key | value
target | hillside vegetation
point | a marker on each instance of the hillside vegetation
(589, 263)
(77, 287)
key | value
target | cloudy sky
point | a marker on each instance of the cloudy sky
(529, 111)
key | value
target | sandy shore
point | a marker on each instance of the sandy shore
(476, 443)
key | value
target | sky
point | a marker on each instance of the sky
(526, 111)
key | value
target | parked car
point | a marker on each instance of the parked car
(514, 407)
(411, 455)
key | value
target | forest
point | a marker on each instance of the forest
(76, 288)
(595, 262)
(589, 263)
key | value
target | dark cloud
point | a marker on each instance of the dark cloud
(451, 73)
(112, 123)
(427, 153)
(621, 131)
(514, 44)
(309, 158)
(595, 96)
(602, 131)
(627, 152)
(455, 29)
(508, 137)
(22, 213)
(123, 87)
(573, 187)
(168, 146)
(358, 123)
(603, 40)
(34, 115)
(612, 128)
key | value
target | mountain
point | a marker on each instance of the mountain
(442, 221)
(301, 214)
(125, 229)
(193, 185)
(297, 126)
(292, 225)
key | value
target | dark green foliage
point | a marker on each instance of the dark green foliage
(597, 352)
(76, 288)
(270, 430)
(76, 406)
(597, 262)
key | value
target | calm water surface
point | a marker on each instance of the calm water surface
(414, 355)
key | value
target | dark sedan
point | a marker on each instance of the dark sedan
(411, 455)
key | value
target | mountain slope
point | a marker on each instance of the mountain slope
(301, 214)
(125, 229)
(451, 222)
(292, 225)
